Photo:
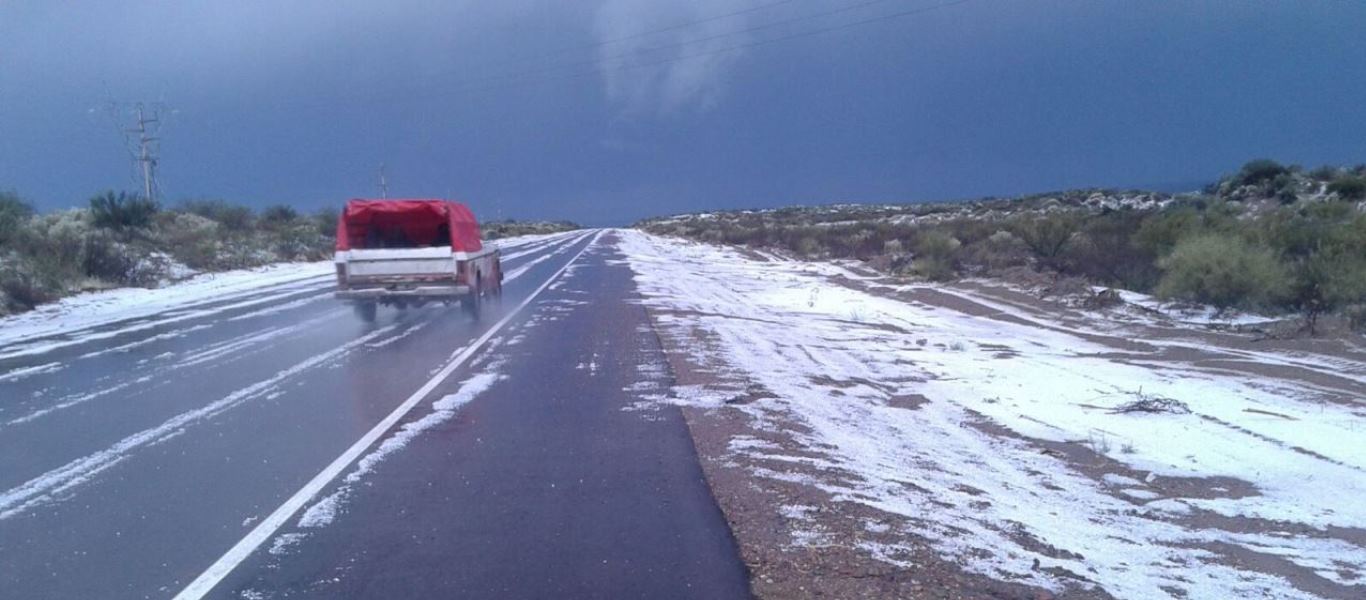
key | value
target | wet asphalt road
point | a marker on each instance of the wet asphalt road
(134, 456)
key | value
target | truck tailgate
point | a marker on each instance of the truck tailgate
(387, 262)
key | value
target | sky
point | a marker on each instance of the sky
(607, 111)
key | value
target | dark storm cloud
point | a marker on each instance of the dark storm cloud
(557, 109)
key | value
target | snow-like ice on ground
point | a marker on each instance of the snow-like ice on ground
(262, 285)
(835, 357)
(98, 308)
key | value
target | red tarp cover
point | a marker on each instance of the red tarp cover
(407, 223)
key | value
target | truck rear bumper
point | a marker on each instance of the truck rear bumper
(380, 293)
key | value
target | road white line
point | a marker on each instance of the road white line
(206, 581)
(542, 245)
(519, 271)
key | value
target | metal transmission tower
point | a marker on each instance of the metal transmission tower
(146, 155)
(383, 183)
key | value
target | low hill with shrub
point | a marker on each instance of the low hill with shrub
(1271, 238)
(492, 230)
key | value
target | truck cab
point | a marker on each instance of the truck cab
(410, 252)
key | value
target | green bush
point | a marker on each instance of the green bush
(278, 215)
(231, 217)
(106, 258)
(13, 213)
(23, 285)
(1324, 173)
(125, 240)
(1349, 188)
(122, 211)
(1047, 236)
(1224, 271)
(1106, 251)
(54, 244)
(1327, 281)
(1356, 317)
(192, 239)
(1328, 259)
(1285, 188)
(936, 256)
(299, 241)
(1260, 171)
(997, 252)
(807, 246)
(326, 221)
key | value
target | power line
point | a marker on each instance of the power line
(141, 141)
(146, 155)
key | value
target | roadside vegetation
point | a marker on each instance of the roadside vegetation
(1270, 238)
(120, 239)
(492, 230)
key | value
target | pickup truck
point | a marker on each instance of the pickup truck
(410, 252)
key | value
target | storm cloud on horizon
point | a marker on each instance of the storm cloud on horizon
(610, 110)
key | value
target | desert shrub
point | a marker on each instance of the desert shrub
(1106, 251)
(1298, 232)
(1349, 188)
(325, 220)
(55, 245)
(1259, 171)
(1284, 188)
(1324, 174)
(1158, 233)
(936, 256)
(807, 246)
(122, 211)
(493, 230)
(299, 241)
(1327, 281)
(192, 239)
(1224, 271)
(13, 213)
(1356, 317)
(231, 217)
(106, 258)
(740, 236)
(1047, 236)
(999, 251)
(278, 215)
(23, 285)
(151, 269)
(1325, 244)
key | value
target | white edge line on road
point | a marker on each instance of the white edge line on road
(206, 581)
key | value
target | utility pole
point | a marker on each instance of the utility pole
(383, 183)
(146, 155)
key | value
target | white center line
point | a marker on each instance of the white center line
(206, 581)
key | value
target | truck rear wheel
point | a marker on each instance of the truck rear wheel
(366, 311)
(475, 300)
